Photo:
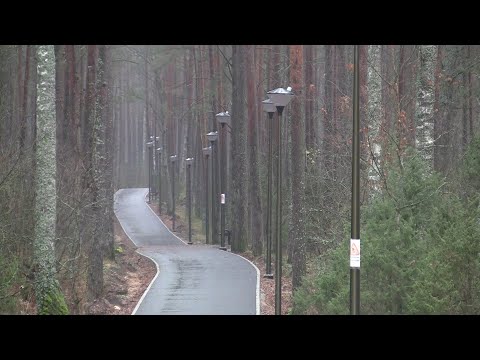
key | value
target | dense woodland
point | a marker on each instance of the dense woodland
(75, 119)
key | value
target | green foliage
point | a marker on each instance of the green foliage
(471, 164)
(419, 252)
(449, 280)
(8, 278)
(53, 304)
(328, 293)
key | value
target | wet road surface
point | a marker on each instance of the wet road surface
(192, 279)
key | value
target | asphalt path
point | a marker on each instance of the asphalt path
(190, 279)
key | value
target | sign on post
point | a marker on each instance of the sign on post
(354, 253)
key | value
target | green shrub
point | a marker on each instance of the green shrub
(419, 252)
(8, 277)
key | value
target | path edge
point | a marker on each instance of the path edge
(257, 287)
(257, 292)
(138, 252)
(166, 227)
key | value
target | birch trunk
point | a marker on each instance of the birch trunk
(49, 298)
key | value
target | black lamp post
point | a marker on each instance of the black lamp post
(154, 140)
(212, 138)
(157, 165)
(355, 229)
(150, 147)
(280, 97)
(189, 162)
(159, 161)
(223, 118)
(173, 159)
(269, 107)
(207, 151)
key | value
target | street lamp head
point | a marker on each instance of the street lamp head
(150, 144)
(212, 136)
(281, 97)
(189, 161)
(223, 118)
(173, 158)
(207, 151)
(268, 106)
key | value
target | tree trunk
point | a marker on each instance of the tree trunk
(364, 123)
(309, 100)
(108, 118)
(90, 186)
(442, 127)
(255, 205)
(407, 96)
(388, 56)
(297, 157)
(49, 298)
(238, 190)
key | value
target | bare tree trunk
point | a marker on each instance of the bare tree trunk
(407, 95)
(90, 186)
(388, 57)
(49, 298)
(442, 131)
(467, 99)
(69, 169)
(310, 96)
(255, 206)
(364, 123)
(298, 166)
(238, 191)
(108, 118)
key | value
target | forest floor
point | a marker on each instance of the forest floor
(267, 286)
(126, 278)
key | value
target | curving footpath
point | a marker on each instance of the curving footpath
(191, 279)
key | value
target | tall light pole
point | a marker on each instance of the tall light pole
(280, 97)
(212, 138)
(269, 107)
(223, 118)
(355, 229)
(156, 172)
(150, 146)
(154, 140)
(189, 162)
(207, 151)
(159, 156)
(173, 159)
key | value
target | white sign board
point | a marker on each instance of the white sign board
(354, 253)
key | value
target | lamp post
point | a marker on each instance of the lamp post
(355, 229)
(280, 97)
(212, 138)
(150, 146)
(223, 118)
(207, 151)
(154, 140)
(159, 157)
(269, 107)
(173, 159)
(189, 162)
(156, 172)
